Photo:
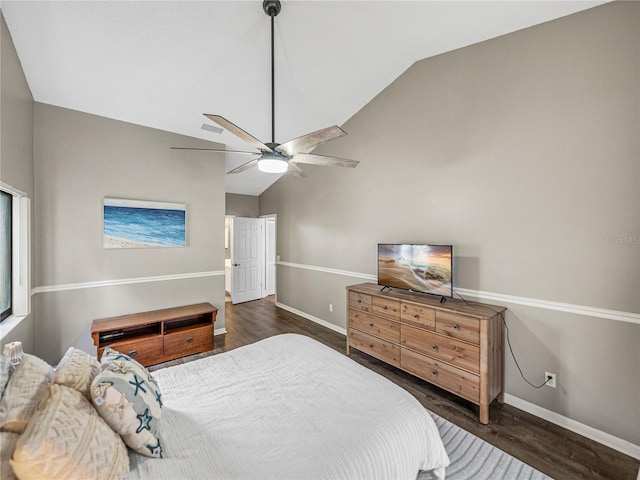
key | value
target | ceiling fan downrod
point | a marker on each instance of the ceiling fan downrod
(272, 8)
(275, 157)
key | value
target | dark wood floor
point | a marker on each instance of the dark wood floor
(553, 450)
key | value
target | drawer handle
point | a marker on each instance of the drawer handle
(434, 346)
(359, 301)
(435, 372)
(416, 316)
(371, 346)
(190, 339)
(456, 326)
(133, 353)
(371, 324)
(384, 307)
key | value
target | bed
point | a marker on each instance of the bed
(288, 407)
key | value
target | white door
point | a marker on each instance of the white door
(270, 257)
(246, 259)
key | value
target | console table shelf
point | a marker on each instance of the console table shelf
(455, 345)
(159, 335)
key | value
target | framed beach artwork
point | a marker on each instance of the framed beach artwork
(143, 224)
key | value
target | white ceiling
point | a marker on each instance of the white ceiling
(163, 64)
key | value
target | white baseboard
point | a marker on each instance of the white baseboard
(219, 331)
(317, 320)
(594, 434)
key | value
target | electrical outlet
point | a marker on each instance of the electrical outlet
(552, 382)
(331, 307)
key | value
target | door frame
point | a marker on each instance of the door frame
(229, 243)
(265, 244)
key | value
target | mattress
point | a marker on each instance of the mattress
(288, 407)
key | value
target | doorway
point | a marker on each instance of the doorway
(250, 260)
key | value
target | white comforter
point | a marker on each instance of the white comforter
(288, 407)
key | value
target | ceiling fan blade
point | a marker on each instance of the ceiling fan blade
(214, 150)
(310, 140)
(314, 159)
(244, 166)
(238, 132)
(295, 170)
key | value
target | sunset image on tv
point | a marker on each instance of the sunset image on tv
(423, 268)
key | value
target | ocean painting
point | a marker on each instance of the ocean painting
(143, 224)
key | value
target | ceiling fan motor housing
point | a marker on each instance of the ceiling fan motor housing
(271, 7)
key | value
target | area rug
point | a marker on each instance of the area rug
(474, 459)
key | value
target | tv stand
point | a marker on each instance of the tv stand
(457, 346)
(158, 336)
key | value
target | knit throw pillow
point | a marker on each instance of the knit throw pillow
(76, 370)
(66, 439)
(6, 369)
(23, 392)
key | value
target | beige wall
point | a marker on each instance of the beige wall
(523, 152)
(79, 160)
(242, 205)
(67, 161)
(16, 151)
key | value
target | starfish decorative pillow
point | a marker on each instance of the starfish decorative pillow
(128, 398)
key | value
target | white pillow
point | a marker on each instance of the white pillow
(68, 439)
(128, 398)
(77, 370)
(24, 391)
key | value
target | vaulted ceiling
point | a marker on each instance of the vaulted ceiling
(163, 64)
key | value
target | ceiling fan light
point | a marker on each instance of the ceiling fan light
(272, 165)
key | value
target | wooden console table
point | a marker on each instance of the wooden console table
(157, 336)
(455, 345)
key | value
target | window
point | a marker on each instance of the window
(6, 207)
(15, 257)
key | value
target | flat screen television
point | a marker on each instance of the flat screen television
(420, 268)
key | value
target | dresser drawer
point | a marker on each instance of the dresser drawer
(447, 349)
(418, 316)
(386, 306)
(385, 351)
(144, 351)
(460, 382)
(380, 327)
(189, 341)
(458, 326)
(360, 301)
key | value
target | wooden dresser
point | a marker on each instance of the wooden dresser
(455, 345)
(158, 336)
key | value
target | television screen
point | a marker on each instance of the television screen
(422, 268)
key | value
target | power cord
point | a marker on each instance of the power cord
(504, 322)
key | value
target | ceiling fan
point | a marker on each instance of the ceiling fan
(275, 157)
